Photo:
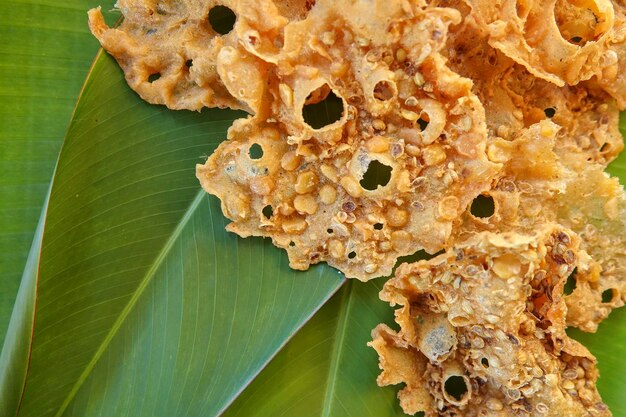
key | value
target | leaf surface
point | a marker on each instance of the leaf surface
(141, 293)
(45, 52)
(327, 370)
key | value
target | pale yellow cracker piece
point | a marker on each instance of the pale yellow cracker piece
(594, 206)
(554, 138)
(614, 82)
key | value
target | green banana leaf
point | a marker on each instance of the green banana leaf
(135, 301)
(45, 52)
(327, 369)
(133, 251)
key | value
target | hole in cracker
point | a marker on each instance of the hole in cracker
(576, 39)
(549, 112)
(222, 19)
(455, 387)
(607, 295)
(605, 147)
(352, 255)
(383, 91)
(483, 206)
(570, 284)
(153, 77)
(189, 63)
(322, 108)
(376, 175)
(422, 123)
(329, 231)
(268, 211)
(378, 226)
(255, 151)
(485, 362)
(417, 256)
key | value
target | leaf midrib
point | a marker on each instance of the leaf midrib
(133, 300)
(338, 342)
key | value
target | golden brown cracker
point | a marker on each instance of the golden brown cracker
(405, 111)
(488, 315)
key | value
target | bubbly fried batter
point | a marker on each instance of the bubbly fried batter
(515, 99)
(172, 55)
(545, 188)
(489, 317)
(560, 41)
(563, 133)
(616, 86)
(309, 190)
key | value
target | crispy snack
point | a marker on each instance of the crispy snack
(543, 187)
(515, 99)
(617, 86)
(560, 41)
(520, 111)
(172, 55)
(403, 110)
(489, 317)
(594, 206)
